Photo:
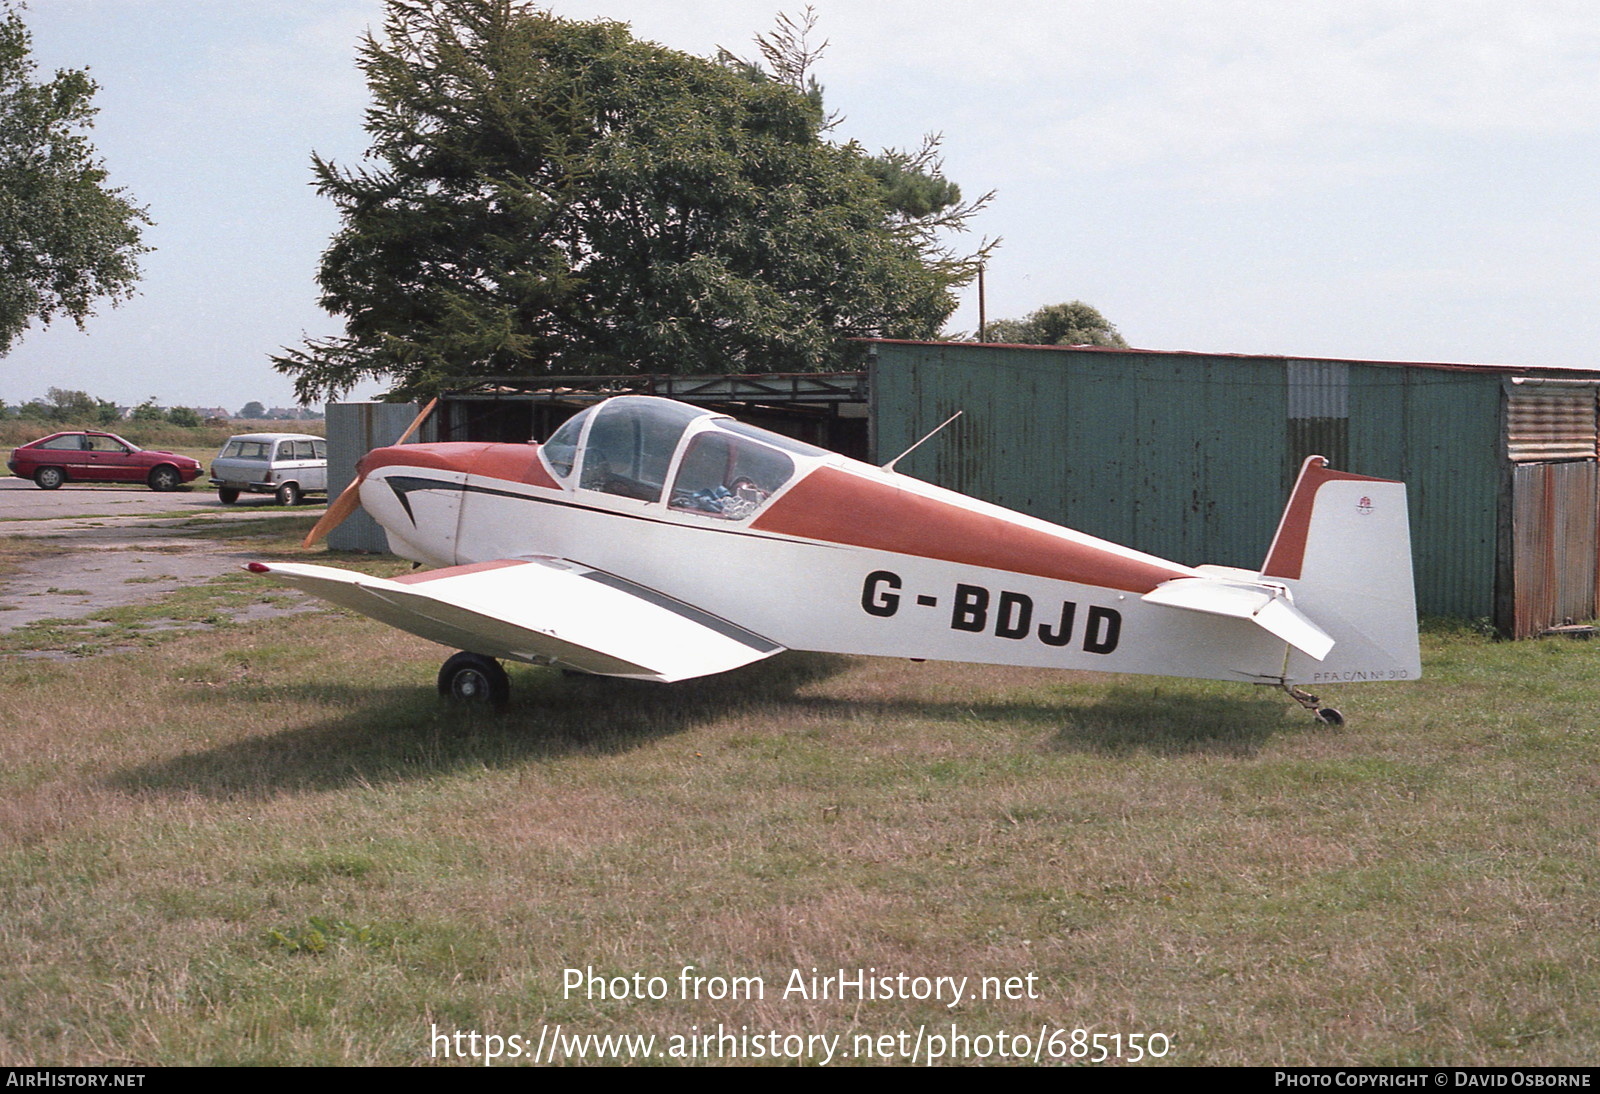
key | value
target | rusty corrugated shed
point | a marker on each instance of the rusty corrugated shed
(1551, 420)
(1554, 517)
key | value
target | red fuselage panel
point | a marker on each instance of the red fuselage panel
(506, 462)
(837, 507)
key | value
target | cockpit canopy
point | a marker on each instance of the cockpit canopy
(633, 446)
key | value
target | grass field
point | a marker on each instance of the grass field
(273, 843)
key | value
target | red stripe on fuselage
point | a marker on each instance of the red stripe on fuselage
(839, 507)
(507, 462)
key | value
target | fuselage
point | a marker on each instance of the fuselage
(810, 549)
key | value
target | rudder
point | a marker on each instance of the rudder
(1343, 548)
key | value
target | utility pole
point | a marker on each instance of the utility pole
(983, 315)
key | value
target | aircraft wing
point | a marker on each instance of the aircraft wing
(544, 610)
(1267, 606)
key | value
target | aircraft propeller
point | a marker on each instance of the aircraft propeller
(350, 499)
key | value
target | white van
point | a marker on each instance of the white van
(289, 465)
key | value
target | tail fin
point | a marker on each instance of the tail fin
(1343, 548)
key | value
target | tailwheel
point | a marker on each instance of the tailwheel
(475, 679)
(1328, 716)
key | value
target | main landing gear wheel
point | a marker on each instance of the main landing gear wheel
(475, 679)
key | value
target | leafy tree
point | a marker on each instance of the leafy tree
(78, 407)
(548, 196)
(148, 411)
(253, 411)
(914, 186)
(70, 406)
(1071, 324)
(67, 240)
(185, 416)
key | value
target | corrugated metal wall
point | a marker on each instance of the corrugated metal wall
(1551, 420)
(1140, 450)
(1319, 412)
(1192, 457)
(1438, 431)
(1553, 519)
(354, 429)
(1552, 437)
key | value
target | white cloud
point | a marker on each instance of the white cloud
(1197, 87)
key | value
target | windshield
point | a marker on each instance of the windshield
(630, 446)
(561, 450)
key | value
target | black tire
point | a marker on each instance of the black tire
(475, 679)
(289, 494)
(1330, 717)
(227, 495)
(49, 478)
(164, 479)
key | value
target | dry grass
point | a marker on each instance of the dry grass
(278, 845)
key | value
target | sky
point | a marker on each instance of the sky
(1369, 179)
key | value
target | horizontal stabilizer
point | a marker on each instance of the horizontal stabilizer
(543, 610)
(1267, 606)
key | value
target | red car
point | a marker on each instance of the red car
(99, 457)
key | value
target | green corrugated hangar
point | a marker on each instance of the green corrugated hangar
(1191, 456)
(1188, 456)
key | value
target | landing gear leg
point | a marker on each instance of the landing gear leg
(1328, 716)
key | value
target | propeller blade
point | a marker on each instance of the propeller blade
(341, 507)
(350, 499)
(416, 423)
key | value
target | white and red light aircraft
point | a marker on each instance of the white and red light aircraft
(658, 541)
